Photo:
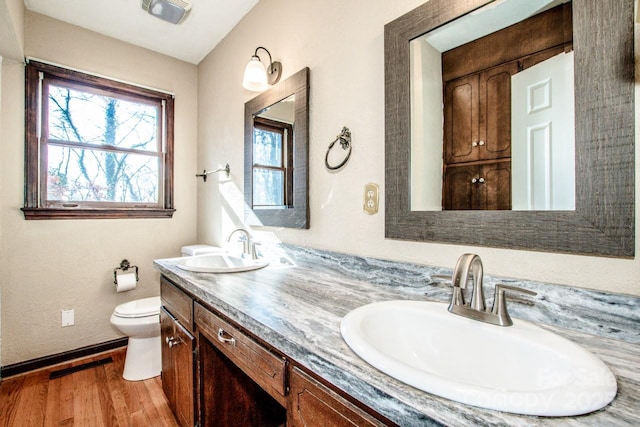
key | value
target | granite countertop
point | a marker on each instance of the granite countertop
(297, 302)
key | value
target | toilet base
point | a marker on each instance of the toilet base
(143, 359)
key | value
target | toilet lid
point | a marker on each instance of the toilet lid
(139, 308)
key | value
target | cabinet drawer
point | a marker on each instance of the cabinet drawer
(262, 366)
(313, 404)
(179, 304)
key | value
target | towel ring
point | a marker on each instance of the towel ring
(345, 143)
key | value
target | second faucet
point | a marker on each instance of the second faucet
(248, 246)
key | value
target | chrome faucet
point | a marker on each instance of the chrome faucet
(469, 268)
(248, 246)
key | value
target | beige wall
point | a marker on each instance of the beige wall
(11, 47)
(342, 44)
(48, 266)
(1, 198)
(12, 29)
(427, 126)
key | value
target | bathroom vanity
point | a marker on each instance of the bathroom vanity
(241, 379)
(264, 347)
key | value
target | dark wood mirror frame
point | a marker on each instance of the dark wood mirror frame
(296, 216)
(603, 222)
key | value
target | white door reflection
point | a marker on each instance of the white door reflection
(542, 136)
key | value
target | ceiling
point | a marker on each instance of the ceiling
(209, 22)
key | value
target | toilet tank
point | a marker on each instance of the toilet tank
(192, 250)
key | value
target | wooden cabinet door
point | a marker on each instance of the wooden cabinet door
(178, 347)
(477, 115)
(496, 189)
(461, 119)
(311, 404)
(168, 371)
(183, 348)
(459, 191)
(494, 128)
(478, 186)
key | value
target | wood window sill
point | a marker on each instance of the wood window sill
(95, 213)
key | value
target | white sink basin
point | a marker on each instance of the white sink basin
(220, 263)
(522, 368)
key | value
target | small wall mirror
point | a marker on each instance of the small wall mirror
(600, 218)
(276, 153)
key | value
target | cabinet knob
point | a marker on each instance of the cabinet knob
(477, 180)
(226, 337)
(172, 341)
(477, 143)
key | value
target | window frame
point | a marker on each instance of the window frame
(286, 158)
(34, 207)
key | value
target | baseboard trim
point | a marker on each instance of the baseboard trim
(54, 359)
(73, 369)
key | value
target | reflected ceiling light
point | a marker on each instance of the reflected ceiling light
(174, 11)
(256, 77)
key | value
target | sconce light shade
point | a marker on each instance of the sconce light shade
(174, 11)
(256, 77)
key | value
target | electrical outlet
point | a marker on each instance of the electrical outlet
(67, 318)
(371, 198)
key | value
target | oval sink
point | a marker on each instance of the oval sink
(522, 368)
(220, 263)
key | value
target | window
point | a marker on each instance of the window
(272, 157)
(95, 148)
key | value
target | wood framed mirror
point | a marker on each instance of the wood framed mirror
(603, 221)
(276, 155)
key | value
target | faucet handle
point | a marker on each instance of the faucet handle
(254, 252)
(500, 302)
(502, 287)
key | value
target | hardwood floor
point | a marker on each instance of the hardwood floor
(97, 396)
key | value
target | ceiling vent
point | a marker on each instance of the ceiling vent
(174, 11)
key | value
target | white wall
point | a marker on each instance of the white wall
(51, 265)
(342, 44)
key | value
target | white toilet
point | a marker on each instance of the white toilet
(140, 321)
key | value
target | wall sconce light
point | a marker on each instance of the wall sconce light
(174, 11)
(256, 77)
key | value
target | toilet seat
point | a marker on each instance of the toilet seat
(139, 308)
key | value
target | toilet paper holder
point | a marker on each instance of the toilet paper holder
(124, 267)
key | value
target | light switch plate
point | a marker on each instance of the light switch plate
(371, 198)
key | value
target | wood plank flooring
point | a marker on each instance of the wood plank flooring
(97, 396)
